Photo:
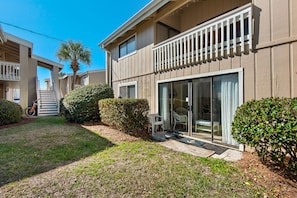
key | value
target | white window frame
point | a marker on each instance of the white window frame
(129, 54)
(239, 71)
(128, 84)
(85, 80)
(210, 74)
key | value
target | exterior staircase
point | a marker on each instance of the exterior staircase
(48, 103)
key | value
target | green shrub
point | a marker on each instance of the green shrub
(62, 107)
(127, 115)
(10, 112)
(270, 126)
(81, 104)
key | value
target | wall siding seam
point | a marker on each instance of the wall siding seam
(290, 13)
(133, 77)
(277, 43)
(271, 20)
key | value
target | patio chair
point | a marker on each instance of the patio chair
(155, 121)
(180, 119)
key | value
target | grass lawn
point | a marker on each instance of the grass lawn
(48, 158)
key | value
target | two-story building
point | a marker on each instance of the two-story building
(82, 79)
(203, 58)
(18, 75)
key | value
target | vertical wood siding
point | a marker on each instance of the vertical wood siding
(269, 70)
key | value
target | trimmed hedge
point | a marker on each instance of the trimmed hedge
(10, 112)
(81, 104)
(270, 126)
(125, 114)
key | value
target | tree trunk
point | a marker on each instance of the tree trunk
(73, 80)
(75, 67)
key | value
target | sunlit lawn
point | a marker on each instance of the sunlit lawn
(75, 162)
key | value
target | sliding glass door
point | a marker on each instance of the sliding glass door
(203, 107)
(173, 105)
(215, 100)
(227, 93)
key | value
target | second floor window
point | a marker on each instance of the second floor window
(128, 47)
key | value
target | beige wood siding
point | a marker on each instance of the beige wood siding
(138, 63)
(24, 76)
(31, 80)
(270, 70)
(98, 77)
(280, 19)
(204, 10)
(263, 71)
(293, 76)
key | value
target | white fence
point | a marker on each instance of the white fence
(227, 35)
(9, 71)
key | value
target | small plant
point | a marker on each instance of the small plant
(128, 115)
(270, 126)
(81, 104)
(10, 112)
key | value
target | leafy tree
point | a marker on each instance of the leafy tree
(74, 52)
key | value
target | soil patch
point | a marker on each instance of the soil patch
(115, 135)
(258, 174)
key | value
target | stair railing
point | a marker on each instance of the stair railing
(38, 95)
(54, 88)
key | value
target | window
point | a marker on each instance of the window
(84, 80)
(165, 32)
(128, 90)
(128, 47)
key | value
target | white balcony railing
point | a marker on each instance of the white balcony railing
(227, 35)
(9, 71)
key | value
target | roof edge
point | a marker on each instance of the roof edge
(83, 73)
(18, 40)
(2, 36)
(90, 72)
(47, 61)
(146, 11)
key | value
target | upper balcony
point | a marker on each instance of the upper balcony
(9, 71)
(226, 35)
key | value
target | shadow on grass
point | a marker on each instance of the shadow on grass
(42, 145)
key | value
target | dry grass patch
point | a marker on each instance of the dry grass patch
(42, 145)
(137, 169)
(88, 165)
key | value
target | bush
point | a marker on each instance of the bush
(127, 115)
(10, 112)
(61, 107)
(81, 104)
(270, 126)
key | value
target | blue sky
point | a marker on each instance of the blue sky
(86, 21)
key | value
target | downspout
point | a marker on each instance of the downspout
(108, 68)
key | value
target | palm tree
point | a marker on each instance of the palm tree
(75, 53)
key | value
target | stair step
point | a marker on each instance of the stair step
(48, 104)
(48, 114)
